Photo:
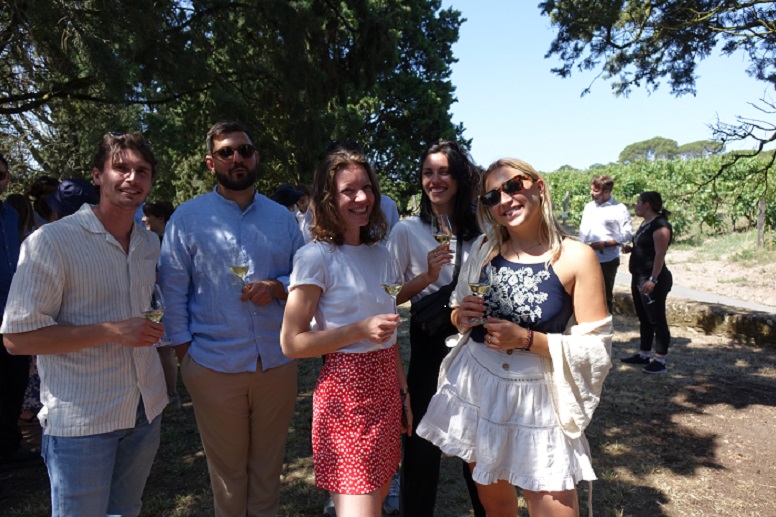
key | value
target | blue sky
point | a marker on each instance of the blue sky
(512, 105)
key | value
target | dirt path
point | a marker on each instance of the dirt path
(739, 279)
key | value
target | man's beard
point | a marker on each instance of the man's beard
(242, 183)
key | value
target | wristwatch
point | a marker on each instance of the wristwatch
(653, 280)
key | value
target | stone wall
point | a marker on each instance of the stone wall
(747, 326)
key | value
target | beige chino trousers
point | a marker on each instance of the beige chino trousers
(243, 421)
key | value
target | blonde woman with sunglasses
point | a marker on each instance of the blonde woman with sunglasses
(516, 393)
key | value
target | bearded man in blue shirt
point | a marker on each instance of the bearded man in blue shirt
(224, 268)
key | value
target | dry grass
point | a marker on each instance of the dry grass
(697, 442)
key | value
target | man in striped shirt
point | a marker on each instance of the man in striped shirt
(76, 301)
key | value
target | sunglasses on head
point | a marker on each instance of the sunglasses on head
(509, 187)
(244, 150)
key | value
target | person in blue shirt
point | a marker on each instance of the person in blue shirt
(14, 370)
(224, 267)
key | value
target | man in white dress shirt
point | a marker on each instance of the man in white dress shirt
(606, 226)
(76, 302)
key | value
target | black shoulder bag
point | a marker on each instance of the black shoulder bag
(432, 312)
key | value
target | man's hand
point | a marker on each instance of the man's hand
(136, 332)
(262, 292)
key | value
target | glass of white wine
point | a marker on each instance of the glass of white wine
(240, 270)
(392, 281)
(480, 281)
(155, 311)
(239, 267)
(441, 228)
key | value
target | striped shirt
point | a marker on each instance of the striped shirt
(73, 272)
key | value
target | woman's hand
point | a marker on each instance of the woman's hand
(438, 257)
(626, 248)
(647, 287)
(471, 307)
(380, 328)
(504, 335)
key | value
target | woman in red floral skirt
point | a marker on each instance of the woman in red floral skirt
(361, 390)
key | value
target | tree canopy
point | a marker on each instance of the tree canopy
(641, 43)
(300, 74)
(657, 148)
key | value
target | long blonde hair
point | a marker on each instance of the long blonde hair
(550, 230)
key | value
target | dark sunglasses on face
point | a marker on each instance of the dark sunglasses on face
(509, 187)
(244, 150)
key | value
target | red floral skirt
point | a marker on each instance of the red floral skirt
(356, 422)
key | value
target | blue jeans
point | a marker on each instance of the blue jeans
(102, 474)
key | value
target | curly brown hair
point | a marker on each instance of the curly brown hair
(326, 225)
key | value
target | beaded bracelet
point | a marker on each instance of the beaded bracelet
(530, 341)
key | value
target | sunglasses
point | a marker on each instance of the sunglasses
(244, 150)
(509, 187)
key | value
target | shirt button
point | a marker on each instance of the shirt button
(509, 352)
(505, 366)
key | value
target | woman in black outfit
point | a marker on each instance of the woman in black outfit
(448, 182)
(651, 281)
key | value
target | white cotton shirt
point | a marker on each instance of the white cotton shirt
(351, 280)
(73, 272)
(410, 242)
(607, 221)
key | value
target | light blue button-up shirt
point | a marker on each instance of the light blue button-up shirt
(202, 239)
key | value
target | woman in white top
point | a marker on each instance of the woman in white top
(448, 181)
(357, 404)
(516, 393)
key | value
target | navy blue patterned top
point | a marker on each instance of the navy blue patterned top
(530, 295)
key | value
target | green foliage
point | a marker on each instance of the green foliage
(657, 148)
(639, 43)
(699, 149)
(694, 203)
(299, 74)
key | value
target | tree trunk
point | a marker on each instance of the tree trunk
(760, 223)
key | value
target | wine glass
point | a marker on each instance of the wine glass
(480, 281)
(441, 228)
(392, 280)
(155, 311)
(240, 270)
(647, 298)
(240, 267)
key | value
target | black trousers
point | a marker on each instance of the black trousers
(14, 374)
(420, 463)
(609, 270)
(653, 325)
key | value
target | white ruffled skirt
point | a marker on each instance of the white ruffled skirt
(495, 410)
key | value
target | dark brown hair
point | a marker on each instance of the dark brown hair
(113, 143)
(161, 209)
(604, 182)
(225, 126)
(466, 176)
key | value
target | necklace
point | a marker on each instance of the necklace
(510, 242)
